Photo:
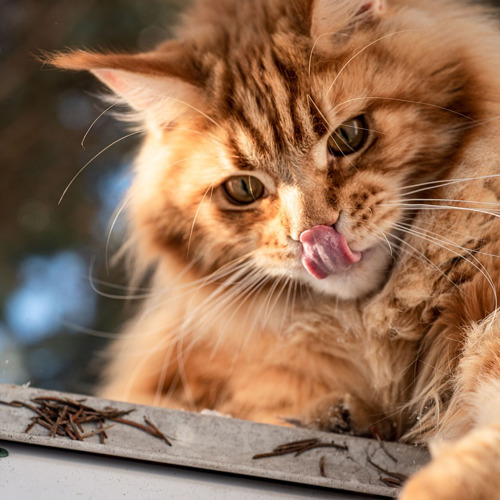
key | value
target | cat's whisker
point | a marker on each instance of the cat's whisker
(444, 183)
(384, 236)
(211, 187)
(446, 229)
(268, 308)
(436, 186)
(309, 294)
(439, 242)
(209, 309)
(479, 267)
(240, 289)
(109, 284)
(447, 200)
(235, 287)
(162, 100)
(470, 126)
(426, 259)
(193, 287)
(451, 242)
(408, 101)
(287, 300)
(316, 41)
(309, 97)
(252, 308)
(285, 280)
(153, 292)
(110, 232)
(242, 299)
(402, 250)
(357, 54)
(96, 120)
(94, 158)
(261, 318)
(224, 303)
(294, 298)
(89, 331)
(135, 296)
(423, 206)
(198, 110)
(232, 273)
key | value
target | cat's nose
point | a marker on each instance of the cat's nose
(303, 209)
(297, 232)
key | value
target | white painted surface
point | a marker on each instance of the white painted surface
(33, 472)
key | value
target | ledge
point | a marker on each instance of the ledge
(223, 445)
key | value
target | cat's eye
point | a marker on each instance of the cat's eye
(349, 137)
(243, 189)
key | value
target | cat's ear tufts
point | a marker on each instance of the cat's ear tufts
(338, 16)
(144, 81)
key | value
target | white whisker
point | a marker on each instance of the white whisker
(108, 239)
(423, 206)
(409, 101)
(95, 121)
(362, 50)
(95, 157)
(439, 242)
(211, 187)
(331, 130)
(444, 182)
(426, 259)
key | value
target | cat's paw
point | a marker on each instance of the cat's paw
(438, 481)
(345, 414)
(468, 469)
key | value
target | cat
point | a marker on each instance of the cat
(317, 200)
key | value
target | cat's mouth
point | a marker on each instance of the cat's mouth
(325, 252)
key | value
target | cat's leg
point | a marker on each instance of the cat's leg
(273, 381)
(466, 452)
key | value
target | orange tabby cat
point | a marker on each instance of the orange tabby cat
(317, 194)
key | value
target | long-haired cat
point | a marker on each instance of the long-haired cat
(317, 198)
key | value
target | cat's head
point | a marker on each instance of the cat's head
(285, 133)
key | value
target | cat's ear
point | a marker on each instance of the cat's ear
(335, 16)
(144, 81)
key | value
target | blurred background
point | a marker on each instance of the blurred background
(53, 325)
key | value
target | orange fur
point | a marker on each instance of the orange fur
(407, 339)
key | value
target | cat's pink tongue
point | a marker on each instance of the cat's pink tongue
(325, 252)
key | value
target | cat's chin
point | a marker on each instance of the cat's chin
(361, 279)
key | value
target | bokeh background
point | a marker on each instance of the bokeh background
(50, 316)
(53, 324)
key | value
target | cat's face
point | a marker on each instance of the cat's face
(290, 148)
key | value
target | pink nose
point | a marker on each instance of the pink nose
(325, 252)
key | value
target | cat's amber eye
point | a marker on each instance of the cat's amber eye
(243, 189)
(349, 137)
